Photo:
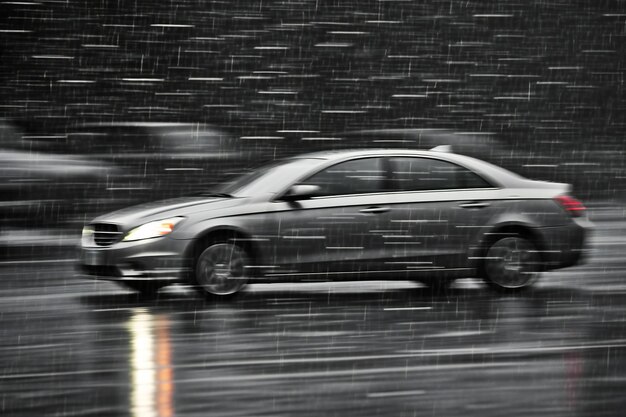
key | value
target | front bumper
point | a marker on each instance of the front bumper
(159, 259)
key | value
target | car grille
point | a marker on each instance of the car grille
(106, 234)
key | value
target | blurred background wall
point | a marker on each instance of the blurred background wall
(545, 77)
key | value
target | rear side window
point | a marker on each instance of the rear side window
(418, 174)
(358, 176)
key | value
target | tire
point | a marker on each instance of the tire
(146, 288)
(221, 269)
(511, 263)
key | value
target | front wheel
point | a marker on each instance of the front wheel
(221, 269)
(512, 263)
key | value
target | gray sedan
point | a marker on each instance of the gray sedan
(430, 216)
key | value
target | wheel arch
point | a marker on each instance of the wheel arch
(499, 231)
(220, 234)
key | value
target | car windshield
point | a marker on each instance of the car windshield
(268, 178)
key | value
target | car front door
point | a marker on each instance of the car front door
(339, 230)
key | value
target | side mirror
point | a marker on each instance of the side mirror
(301, 192)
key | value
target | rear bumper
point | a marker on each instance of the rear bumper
(564, 246)
(160, 259)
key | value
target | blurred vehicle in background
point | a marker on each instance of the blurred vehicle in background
(159, 160)
(474, 144)
(39, 188)
(129, 162)
(479, 145)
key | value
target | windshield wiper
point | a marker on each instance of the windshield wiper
(212, 194)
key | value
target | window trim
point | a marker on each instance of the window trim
(493, 184)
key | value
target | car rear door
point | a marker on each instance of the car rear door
(437, 209)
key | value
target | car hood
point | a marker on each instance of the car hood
(181, 206)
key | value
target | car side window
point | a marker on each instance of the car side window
(358, 176)
(419, 174)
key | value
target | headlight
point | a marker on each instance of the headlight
(87, 234)
(153, 229)
(87, 231)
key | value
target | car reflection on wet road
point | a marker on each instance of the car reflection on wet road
(71, 347)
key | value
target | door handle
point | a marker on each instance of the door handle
(374, 210)
(475, 204)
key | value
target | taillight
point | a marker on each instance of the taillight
(574, 207)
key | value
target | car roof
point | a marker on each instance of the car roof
(140, 124)
(339, 154)
(495, 173)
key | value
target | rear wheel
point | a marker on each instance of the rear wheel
(512, 263)
(221, 269)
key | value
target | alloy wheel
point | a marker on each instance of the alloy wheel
(221, 269)
(512, 263)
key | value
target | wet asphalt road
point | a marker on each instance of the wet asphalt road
(70, 347)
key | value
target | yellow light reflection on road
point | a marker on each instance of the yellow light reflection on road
(151, 376)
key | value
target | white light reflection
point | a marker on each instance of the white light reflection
(151, 367)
